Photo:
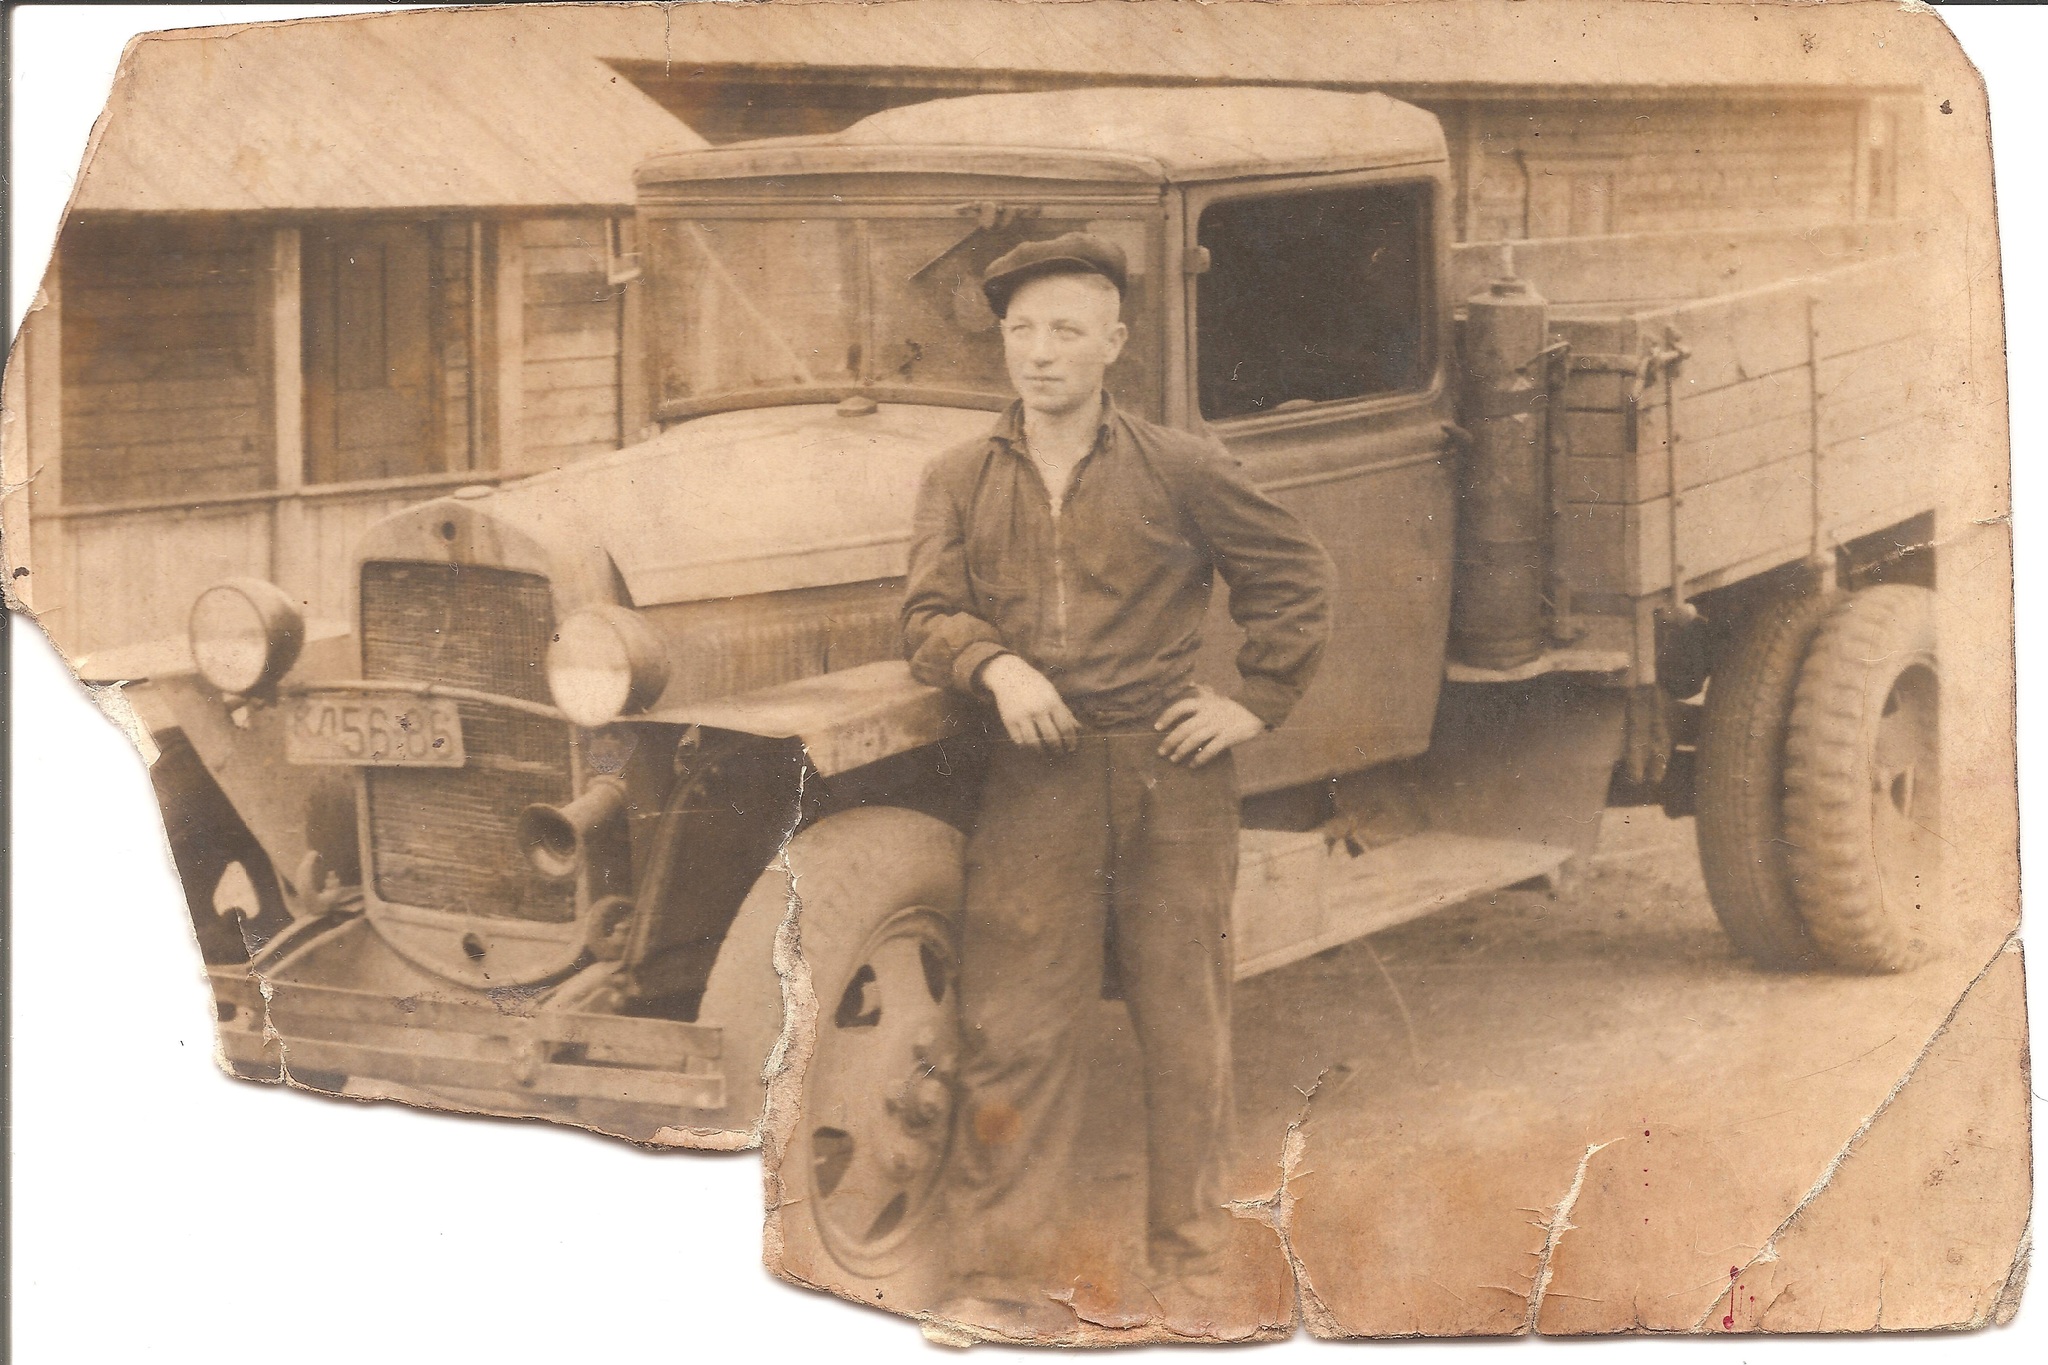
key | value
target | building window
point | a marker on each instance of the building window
(1311, 298)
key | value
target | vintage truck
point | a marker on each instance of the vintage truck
(611, 761)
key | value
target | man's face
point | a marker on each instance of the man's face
(1059, 337)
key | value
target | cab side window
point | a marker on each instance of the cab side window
(1311, 298)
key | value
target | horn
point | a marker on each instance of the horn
(554, 836)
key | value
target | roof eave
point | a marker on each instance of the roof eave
(301, 212)
(769, 161)
(805, 157)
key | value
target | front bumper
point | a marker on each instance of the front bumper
(641, 1079)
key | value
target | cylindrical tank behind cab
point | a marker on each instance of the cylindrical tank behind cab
(1497, 608)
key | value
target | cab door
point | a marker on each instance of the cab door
(1315, 352)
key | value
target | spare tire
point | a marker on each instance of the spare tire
(1741, 781)
(1863, 781)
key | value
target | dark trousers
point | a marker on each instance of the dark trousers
(1064, 841)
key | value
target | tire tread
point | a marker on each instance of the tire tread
(1741, 783)
(1827, 800)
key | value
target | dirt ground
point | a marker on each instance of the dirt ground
(1592, 1094)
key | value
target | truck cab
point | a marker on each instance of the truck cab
(1282, 295)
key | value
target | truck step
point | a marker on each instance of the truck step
(1298, 894)
(1599, 662)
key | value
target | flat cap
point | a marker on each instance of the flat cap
(1071, 253)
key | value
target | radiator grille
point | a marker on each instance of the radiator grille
(458, 624)
(443, 838)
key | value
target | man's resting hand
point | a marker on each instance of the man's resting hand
(1204, 725)
(1031, 707)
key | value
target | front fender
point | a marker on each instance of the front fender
(843, 720)
(242, 745)
(743, 790)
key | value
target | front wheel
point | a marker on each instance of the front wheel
(1863, 781)
(860, 1159)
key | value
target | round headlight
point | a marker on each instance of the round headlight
(605, 662)
(245, 634)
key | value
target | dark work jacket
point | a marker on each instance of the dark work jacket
(1107, 598)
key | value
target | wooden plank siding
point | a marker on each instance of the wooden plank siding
(183, 463)
(162, 376)
(573, 319)
(1646, 165)
(451, 282)
(135, 575)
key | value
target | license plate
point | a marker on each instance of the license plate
(374, 730)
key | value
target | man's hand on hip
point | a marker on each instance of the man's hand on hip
(1031, 707)
(1200, 727)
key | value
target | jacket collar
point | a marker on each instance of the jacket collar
(1009, 428)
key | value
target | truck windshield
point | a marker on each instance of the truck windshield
(754, 309)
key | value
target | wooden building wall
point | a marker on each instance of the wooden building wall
(1569, 168)
(451, 271)
(162, 377)
(573, 318)
(189, 369)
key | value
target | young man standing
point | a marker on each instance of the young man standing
(1060, 569)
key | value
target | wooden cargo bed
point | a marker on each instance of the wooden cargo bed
(1800, 413)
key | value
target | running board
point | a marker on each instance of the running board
(1298, 894)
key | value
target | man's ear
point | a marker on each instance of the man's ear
(1115, 338)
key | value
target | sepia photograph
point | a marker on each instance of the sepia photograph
(1225, 672)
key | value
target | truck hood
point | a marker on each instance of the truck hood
(767, 500)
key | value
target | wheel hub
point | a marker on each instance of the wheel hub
(1905, 788)
(880, 1101)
